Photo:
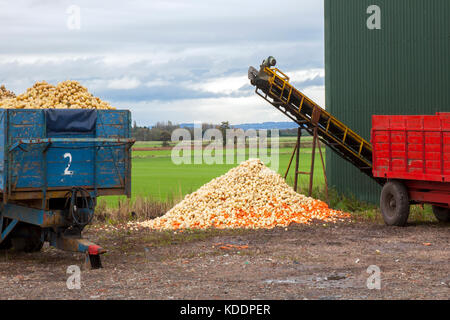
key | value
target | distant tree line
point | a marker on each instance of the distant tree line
(162, 131)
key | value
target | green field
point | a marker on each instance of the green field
(155, 175)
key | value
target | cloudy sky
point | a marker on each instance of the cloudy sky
(178, 60)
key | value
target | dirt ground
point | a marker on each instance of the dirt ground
(303, 262)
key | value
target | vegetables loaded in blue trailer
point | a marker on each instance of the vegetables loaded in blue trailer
(54, 163)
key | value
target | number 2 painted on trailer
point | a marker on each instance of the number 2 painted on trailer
(67, 172)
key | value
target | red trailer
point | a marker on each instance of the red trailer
(413, 154)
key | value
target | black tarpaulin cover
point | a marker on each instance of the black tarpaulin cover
(66, 121)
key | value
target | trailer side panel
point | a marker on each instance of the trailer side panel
(412, 147)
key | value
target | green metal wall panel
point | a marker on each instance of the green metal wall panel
(402, 68)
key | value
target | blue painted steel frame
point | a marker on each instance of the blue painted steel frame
(38, 217)
(8, 229)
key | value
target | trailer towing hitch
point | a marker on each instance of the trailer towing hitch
(81, 207)
(76, 244)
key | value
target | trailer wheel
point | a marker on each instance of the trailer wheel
(6, 244)
(394, 203)
(442, 214)
(27, 238)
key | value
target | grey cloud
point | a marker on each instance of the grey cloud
(173, 43)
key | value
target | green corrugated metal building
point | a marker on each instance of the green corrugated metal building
(383, 57)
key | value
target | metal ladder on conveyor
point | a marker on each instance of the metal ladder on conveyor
(273, 86)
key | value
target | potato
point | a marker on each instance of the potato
(42, 95)
(6, 94)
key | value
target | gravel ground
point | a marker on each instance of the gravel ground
(303, 262)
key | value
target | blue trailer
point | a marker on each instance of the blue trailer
(54, 163)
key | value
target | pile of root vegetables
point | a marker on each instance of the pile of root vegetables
(6, 94)
(250, 196)
(42, 95)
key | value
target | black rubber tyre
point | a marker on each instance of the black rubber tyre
(394, 204)
(442, 214)
(27, 238)
(26, 244)
(6, 244)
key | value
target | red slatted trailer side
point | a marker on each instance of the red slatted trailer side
(413, 153)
